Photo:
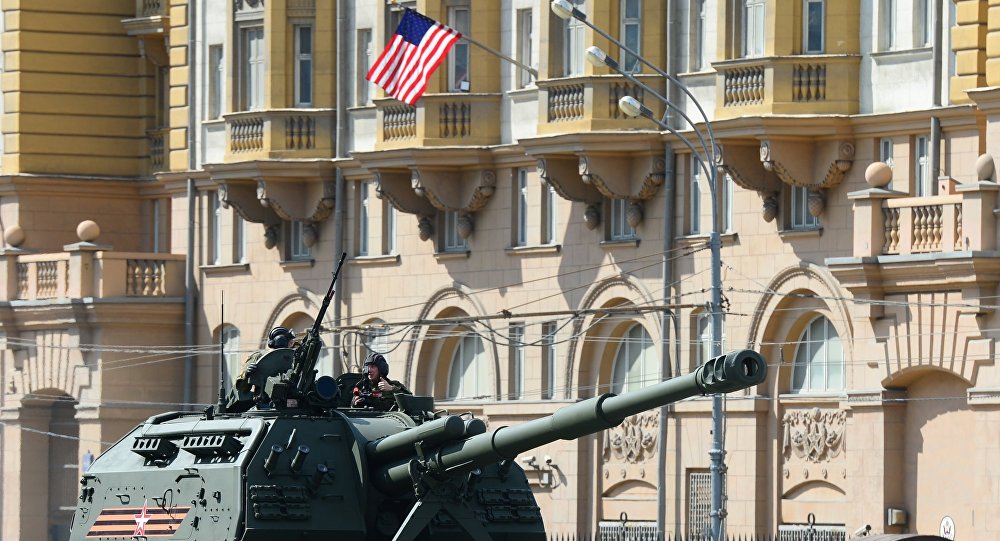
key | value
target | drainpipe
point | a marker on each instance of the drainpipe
(339, 187)
(667, 269)
(936, 56)
(192, 194)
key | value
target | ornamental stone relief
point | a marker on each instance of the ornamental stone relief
(813, 435)
(634, 440)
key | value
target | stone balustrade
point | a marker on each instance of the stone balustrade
(439, 120)
(801, 84)
(591, 103)
(280, 134)
(85, 271)
(150, 8)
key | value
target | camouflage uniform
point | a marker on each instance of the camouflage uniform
(367, 394)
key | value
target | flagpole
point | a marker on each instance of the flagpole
(491, 50)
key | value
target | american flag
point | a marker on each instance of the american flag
(418, 47)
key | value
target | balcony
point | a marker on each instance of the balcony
(280, 134)
(802, 84)
(151, 21)
(589, 104)
(81, 272)
(438, 120)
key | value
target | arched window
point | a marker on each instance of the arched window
(819, 359)
(636, 363)
(469, 376)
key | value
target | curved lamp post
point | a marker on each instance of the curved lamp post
(707, 156)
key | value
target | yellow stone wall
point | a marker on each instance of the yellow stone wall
(968, 40)
(993, 43)
(66, 112)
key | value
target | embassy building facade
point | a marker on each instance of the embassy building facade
(168, 163)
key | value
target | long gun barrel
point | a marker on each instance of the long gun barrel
(723, 374)
(308, 352)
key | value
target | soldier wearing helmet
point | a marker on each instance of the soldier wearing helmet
(376, 390)
(279, 337)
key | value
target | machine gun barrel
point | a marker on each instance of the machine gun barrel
(723, 374)
(308, 352)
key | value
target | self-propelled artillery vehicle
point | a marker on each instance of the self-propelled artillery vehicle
(292, 460)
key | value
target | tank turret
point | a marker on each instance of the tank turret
(318, 469)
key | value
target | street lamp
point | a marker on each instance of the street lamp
(708, 158)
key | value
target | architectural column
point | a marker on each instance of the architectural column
(968, 40)
(993, 44)
(25, 473)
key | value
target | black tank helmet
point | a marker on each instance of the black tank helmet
(280, 337)
(378, 360)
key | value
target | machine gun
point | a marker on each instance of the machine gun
(294, 474)
(286, 378)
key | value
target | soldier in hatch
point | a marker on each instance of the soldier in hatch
(376, 390)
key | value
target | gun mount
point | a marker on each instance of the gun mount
(322, 470)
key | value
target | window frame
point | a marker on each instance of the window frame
(628, 22)
(296, 248)
(694, 197)
(389, 221)
(888, 31)
(696, 45)
(478, 360)
(923, 184)
(516, 354)
(521, 206)
(550, 213)
(618, 226)
(550, 355)
(216, 82)
(214, 229)
(451, 240)
(574, 37)
(807, 30)
(303, 65)
(801, 218)
(645, 356)
(252, 70)
(462, 50)
(231, 357)
(364, 218)
(726, 195)
(806, 339)
(239, 238)
(885, 153)
(525, 45)
(753, 28)
(364, 91)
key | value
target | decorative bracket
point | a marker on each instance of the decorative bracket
(395, 186)
(297, 201)
(242, 196)
(803, 161)
(454, 190)
(742, 163)
(617, 176)
(562, 173)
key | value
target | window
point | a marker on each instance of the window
(458, 67)
(814, 27)
(364, 91)
(239, 239)
(924, 22)
(525, 45)
(922, 176)
(631, 33)
(887, 24)
(469, 376)
(388, 228)
(697, 47)
(252, 68)
(801, 217)
(216, 81)
(516, 352)
(521, 219)
(157, 225)
(694, 226)
(550, 202)
(819, 358)
(573, 43)
(885, 155)
(636, 364)
(620, 228)
(699, 504)
(703, 342)
(303, 65)
(214, 229)
(549, 355)
(453, 241)
(363, 218)
(297, 248)
(163, 96)
(230, 355)
(753, 28)
(727, 192)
